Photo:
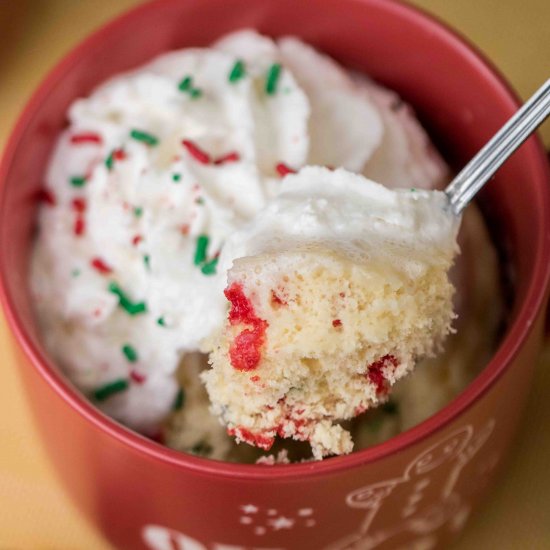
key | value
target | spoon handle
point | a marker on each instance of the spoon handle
(480, 169)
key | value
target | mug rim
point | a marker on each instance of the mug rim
(507, 350)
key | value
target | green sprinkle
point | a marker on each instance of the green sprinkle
(390, 407)
(413, 189)
(144, 137)
(146, 261)
(138, 211)
(200, 250)
(132, 308)
(185, 84)
(201, 449)
(237, 72)
(75, 273)
(130, 353)
(78, 181)
(272, 80)
(209, 268)
(103, 392)
(199, 200)
(176, 177)
(161, 322)
(137, 308)
(110, 160)
(179, 401)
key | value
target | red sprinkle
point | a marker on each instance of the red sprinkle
(136, 239)
(79, 205)
(242, 310)
(119, 154)
(336, 323)
(137, 377)
(86, 137)
(245, 351)
(99, 265)
(229, 157)
(79, 226)
(283, 169)
(259, 440)
(185, 228)
(375, 374)
(46, 196)
(196, 152)
(254, 378)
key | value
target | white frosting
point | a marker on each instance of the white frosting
(319, 114)
(404, 229)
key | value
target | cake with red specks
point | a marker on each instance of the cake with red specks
(335, 292)
(434, 383)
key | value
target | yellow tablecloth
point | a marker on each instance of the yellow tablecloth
(34, 511)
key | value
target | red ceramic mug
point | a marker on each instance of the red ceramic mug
(416, 489)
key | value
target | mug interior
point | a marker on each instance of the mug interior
(459, 98)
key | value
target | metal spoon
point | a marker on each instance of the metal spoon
(480, 169)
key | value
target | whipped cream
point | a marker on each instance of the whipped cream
(158, 168)
(407, 230)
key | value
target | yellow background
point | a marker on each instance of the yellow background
(34, 511)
